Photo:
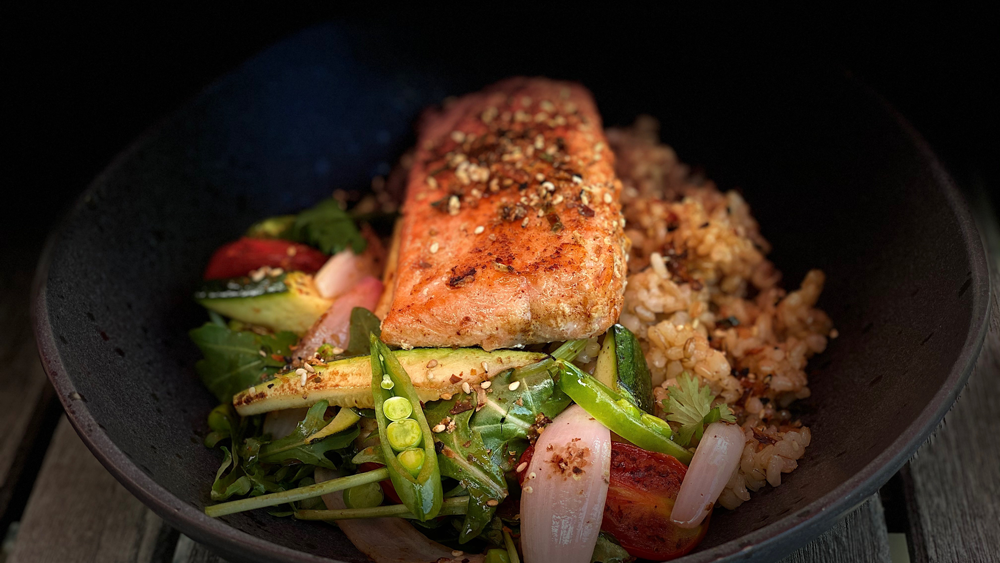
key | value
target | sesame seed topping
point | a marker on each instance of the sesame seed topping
(446, 396)
(263, 353)
(486, 366)
(434, 247)
(309, 368)
(577, 179)
(275, 272)
(607, 197)
(252, 390)
(524, 223)
(532, 475)
(438, 429)
(432, 182)
(522, 467)
(540, 177)
(557, 200)
(454, 205)
(456, 553)
(300, 371)
(465, 387)
(529, 490)
(486, 384)
(514, 386)
(479, 230)
(432, 363)
(458, 136)
(492, 502)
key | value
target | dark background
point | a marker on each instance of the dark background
(80, 83)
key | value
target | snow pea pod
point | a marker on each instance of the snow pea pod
(618, 413)
(413, 470)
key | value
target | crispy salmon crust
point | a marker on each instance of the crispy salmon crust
(512, 231)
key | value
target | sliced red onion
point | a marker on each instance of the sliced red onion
(562, 500)
(345, 269)
(390, 540)
(715, 460)
(334, 326)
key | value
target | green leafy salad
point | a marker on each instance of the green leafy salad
(324, 422)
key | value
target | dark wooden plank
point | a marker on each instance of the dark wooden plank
(27, 402)
(190, 551)
(78, 512)
(859, 537)
(953, 483)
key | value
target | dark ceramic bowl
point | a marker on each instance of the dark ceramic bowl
(836, 178)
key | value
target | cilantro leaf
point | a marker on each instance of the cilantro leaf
(235, 360)
(690, 405)
(327, 227)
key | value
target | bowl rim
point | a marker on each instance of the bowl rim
(771, 541)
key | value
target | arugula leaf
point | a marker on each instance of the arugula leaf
(371, 454)
(233, 482)
(236, 360)
(463, 456)
(510, 414)
(296, 447)
(327, 227)
(608, 550)
(690, 405)
(363, 323)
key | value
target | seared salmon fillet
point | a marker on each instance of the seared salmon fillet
(512, 231)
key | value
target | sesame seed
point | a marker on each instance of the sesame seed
(257, 275)
(465, 387)
(532, 475)
(446, 396)
(309, 368)
(486, 384)
(479, 230)
(458, 136)
(300, 371)
(438, 429)
(514, 386)
(454, 205)
(276, 272)
(486, 367)
(434, 247)
(577, 179)
(524, 223)
(522, 467)
(432, 182)
(432, 363)
(262, 353)
(492, 502)
(529, 490)
(607, 197)
(549, 186)
(557, 200)
(252, 390)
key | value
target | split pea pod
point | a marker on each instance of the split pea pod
(618, 413)
(406, 440)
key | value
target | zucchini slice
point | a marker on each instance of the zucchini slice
(288, 301)
(348, 383)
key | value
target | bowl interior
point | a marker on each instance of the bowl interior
(834, 179)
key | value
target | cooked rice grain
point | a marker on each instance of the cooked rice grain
(703, 298)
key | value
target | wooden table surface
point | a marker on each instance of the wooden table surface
(58, 504)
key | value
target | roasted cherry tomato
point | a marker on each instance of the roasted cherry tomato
(245, 255)
(641, 494)
(390, 492)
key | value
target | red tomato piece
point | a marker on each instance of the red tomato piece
(386, 484)
(245, 255)
(641, 495)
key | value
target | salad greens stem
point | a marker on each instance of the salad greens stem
(298, 494)
(449, 507)
(511, 548)
(570, 350)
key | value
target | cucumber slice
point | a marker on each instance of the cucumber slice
(622, 367)
(288, 301)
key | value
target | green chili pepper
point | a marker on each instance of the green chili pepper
(618, 414)
(414, 472)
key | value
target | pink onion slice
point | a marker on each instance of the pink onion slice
(280, 424)
(334, 326)
(562, 500)
(717, 456)
(345, 269)
(389, 540)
